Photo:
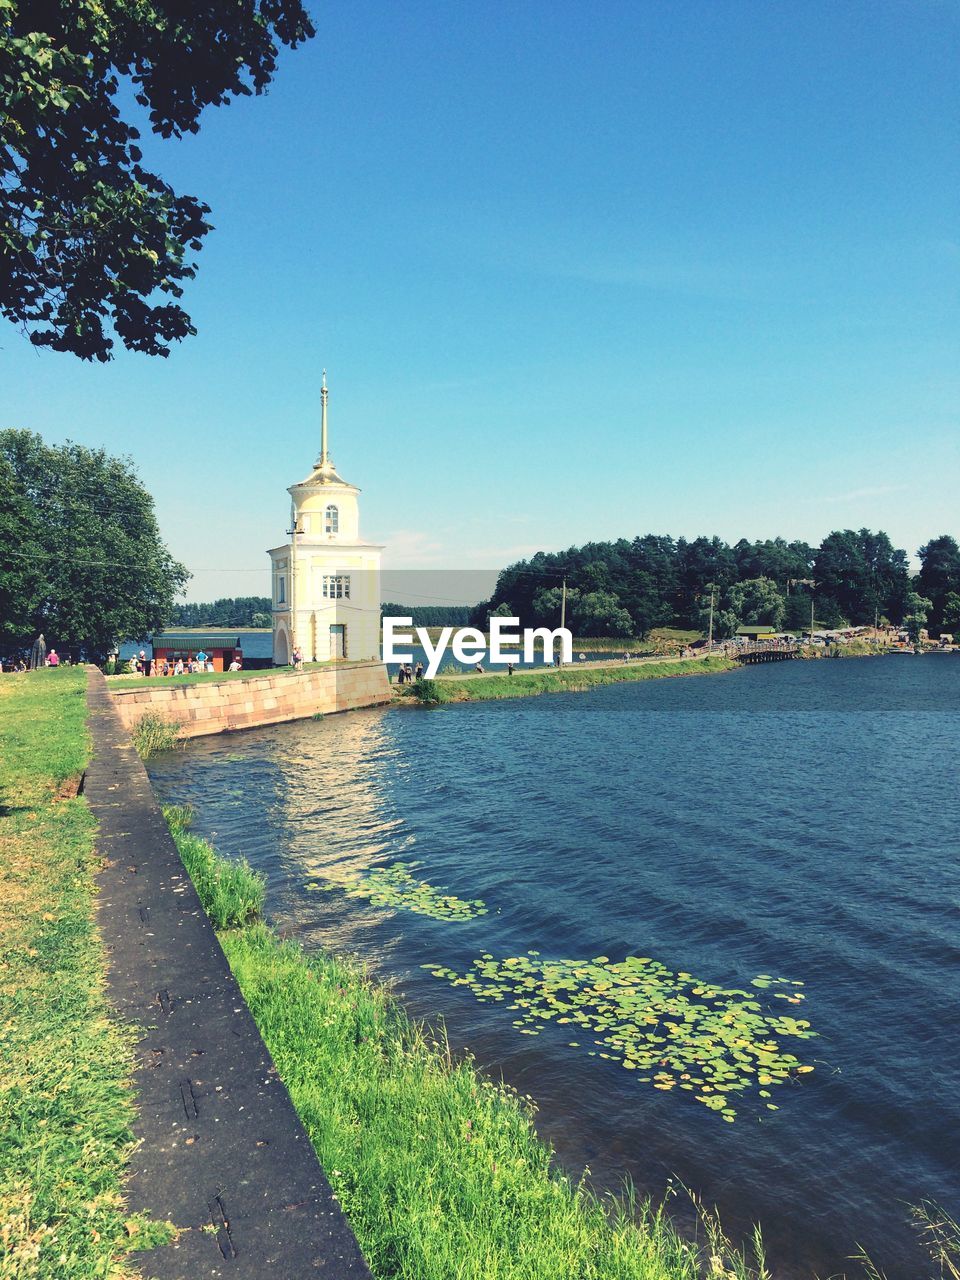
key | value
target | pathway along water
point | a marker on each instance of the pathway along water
(799, 820)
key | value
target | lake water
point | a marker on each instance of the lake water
(796, 819)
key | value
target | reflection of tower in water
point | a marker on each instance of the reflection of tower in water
(337, 814)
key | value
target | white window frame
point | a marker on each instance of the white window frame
(331, 518)
(336, 586)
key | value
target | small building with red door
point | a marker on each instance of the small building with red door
(219, 647)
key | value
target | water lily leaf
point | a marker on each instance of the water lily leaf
(716, 1042)
(395, 887)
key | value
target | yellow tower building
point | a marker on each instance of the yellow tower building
(326, 579)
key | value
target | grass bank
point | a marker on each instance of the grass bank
(65, 1105)
(523, 684)
(439, 1169)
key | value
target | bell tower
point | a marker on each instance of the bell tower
(326, 579)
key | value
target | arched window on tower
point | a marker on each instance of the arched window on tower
(331, 519)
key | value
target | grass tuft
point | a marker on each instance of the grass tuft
(231, 892)
(152, 733)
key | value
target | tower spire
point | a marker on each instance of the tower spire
(324, 451)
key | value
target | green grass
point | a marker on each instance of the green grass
(152, 733)
(119, 683)
(65, 1102)
(438, 1168)
(659, 640)
(544, 680)
(231, 893)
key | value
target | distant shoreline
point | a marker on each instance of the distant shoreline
(531, 682)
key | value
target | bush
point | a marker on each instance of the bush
(428, 691)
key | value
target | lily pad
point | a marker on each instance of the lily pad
(396, 887)
(718, 1043)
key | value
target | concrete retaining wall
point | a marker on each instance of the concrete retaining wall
(212, 707)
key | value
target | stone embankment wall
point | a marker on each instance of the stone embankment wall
(217, 705)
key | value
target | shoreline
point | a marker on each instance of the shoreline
(438, 1165)
(541, 680)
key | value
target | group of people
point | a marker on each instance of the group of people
(194, 664)
(408, 674)
(19, 663)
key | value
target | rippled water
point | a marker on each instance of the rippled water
(799, 818)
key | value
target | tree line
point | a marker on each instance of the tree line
(229, 611)
(629, 587)
(430, 615)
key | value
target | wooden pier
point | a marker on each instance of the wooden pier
(765, 651)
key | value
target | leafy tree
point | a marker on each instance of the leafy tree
(547, 605)
(599, 613)
(756, 601)
(88, 236)
(915, 619)
(648, 608)
(774, 558)
(700, 563)
(951, 613)
(742, 604)
(859, 574)
(939, 576)
(99, 569)
(261, 620)
(796, 610)
(18, 550)
(725, 621)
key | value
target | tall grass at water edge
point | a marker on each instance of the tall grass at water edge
(439, 1169)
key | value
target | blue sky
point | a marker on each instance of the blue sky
(576, 272)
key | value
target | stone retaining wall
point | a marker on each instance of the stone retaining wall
(214, 706)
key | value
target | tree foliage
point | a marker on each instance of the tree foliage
(87, 565)
(228, 611)
(950, 620)
(660, 581)
(915, 618)
(429, 615)
(939, 577)
(860, 575)
(90, 239)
